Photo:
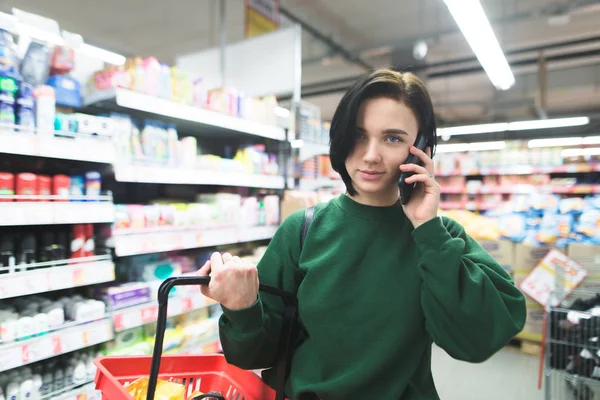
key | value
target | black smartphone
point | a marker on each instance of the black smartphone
(406, 189)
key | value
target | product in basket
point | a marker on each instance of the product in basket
(164, 390)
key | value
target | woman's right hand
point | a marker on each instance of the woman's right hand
(233, 282)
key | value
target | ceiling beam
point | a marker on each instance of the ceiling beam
(339, 85)
(335, 46)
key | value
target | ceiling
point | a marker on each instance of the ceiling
(379, 33)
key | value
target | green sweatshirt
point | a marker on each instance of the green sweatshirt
(373, 295)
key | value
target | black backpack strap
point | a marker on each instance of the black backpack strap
(289, 320)
(309, 215)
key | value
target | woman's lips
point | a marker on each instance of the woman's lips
(370, 175)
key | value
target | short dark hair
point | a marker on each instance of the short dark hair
(404, 87)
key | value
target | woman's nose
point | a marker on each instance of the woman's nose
(372, 153)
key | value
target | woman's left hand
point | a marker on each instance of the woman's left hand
(425, 200)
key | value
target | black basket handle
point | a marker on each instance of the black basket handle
(163, 297)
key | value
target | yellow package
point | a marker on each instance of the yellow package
(164, 390)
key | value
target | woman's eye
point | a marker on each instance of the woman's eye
(394, 139)
(360, 135)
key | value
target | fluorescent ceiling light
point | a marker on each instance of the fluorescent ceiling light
(476, 28)
(548, 123)
(592, 151)
(591, 140)
(555, 142)
(513, 126)
(282, 112)
(464, 147)
(472, 129)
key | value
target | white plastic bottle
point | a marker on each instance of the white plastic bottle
(37, 386)
(69, 372)
(59, 378)
(26, 389)
(80, 374)
(12, 391)
(47, 381)
(90, 366)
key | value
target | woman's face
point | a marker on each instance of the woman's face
(385, 129)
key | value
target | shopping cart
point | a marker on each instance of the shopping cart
(210, 374)
(572, 339)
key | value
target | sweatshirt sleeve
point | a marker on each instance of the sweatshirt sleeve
(250, 337)
(472, 307)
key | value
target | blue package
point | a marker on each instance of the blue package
(589, 226)
(7, 107)
(25, 107)
(531, 237)
(513, 227)
(67, 90)
(593, 202)
(77, 187)
(544, 202)
(9, 61)
(554, 227)
(573, 205)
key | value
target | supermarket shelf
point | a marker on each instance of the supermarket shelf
(57, 212)
(161, 241)
(310, 185)
(206, 119)
(14, 355)
(181, 176)
(310, 150)
(84, 391)
(524, 170)
(80, 148)
(142, 314)
(524, 189)
(56, 275)
(462, 205)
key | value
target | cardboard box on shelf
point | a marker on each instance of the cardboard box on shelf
(503, 251)
(585, 254)
(534, 324)
(588, 256)
(528, 256)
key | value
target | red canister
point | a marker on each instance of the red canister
(44, 186)
(26, 185)
(78, 241)
(7, 185)
(60, 186)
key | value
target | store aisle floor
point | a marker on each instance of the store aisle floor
(509, 374)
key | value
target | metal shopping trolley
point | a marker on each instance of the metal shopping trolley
(210, 374)
(572, 339)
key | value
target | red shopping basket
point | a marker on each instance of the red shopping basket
(210, 374)
(207, 373)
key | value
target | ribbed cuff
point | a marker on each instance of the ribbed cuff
(247, 319)
(431, 235)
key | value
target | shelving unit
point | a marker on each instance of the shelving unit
(142, 314)
(56, 275)
(524, 189)
(182, 176)
(55, 210)
(156, 242)
(20, 353)
(524, 170)
(201, 119)
(80, 148)
(84, 391)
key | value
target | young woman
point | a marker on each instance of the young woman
(377, 281)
